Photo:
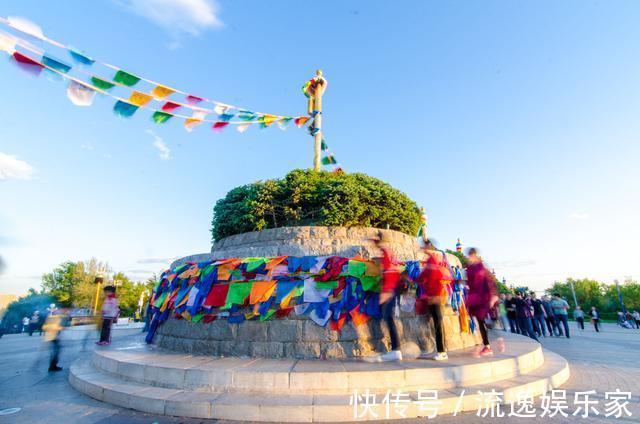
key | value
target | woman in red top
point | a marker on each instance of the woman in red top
(482, 295)
(391, 280)
(431, 280)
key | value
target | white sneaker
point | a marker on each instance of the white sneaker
(372, 359)
(441, 356)
(394, 355)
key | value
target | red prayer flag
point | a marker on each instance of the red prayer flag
(193, 99)
(218, 126)
(217, 295)
(169, 106)
(27, 64)
(281, 313)
(339, 323)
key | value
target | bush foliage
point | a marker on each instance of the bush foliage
(305, 197)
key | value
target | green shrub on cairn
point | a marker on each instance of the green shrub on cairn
(306, 197)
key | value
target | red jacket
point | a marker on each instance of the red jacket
(432, 276)
(391, 275)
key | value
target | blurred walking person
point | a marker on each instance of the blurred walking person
(510, 306)
(25, 325)
(53, 326)
(481, 297)
(560, 312)
(110, 312)
(595, 318)
(432, 281)
(34, 322)
(539, 315)
(523, 312)
(391, 280)
(578, 315)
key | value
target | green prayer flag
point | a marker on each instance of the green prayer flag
(101, 84)
(254, 263)
(328, 160)
(159, 301)
(326, 285)
(267, 315)
(197, 318)
(160, 117)
(356, 268)
(323, 145)
(238, 293)
(126, 78)
(370, 283)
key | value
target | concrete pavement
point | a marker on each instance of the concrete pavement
(603, 362)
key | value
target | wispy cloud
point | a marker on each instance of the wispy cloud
(145, 261)
(87, 146)
(163, 150)
(14, 168)
(578, 216)
(177, 16)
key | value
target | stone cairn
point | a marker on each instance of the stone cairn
(299, 337)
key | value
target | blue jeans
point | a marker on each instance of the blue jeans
(539, 320)
(388, 309)
(526, 327)
(560, 318)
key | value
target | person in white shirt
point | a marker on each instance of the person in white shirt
(110, 312)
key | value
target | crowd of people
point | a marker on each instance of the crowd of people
(56, 319)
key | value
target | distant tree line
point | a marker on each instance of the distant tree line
(72, 284)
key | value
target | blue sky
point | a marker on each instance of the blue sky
(515, 124)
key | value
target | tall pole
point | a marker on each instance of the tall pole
(624, 310)
(315, 106)
(573, 290)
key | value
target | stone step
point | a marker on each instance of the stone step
(291, 376)
(276, 407)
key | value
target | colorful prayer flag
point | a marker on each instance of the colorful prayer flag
(301, 120)
(170, 106)
(161, 117)
(126, 78)
(7, 43)
(81, 57)
(80, 94)
(124, 109)
(329, 160)
(218, 126)
(190, 124)
(242, 127)
(192, 100)
(226, 117)
(139, 99)
(220, 109)
(55, 64)
(266, 120)
(102, 84)
(27, 64)
(160, 91)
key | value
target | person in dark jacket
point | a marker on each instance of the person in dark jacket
(482, 295)
(523, 313)
(539, 315)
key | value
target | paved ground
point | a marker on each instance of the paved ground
(602, 362)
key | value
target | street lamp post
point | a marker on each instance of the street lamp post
(624, 310)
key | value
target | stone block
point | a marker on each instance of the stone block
(332, 350)
(206, 347)
(348, 333)
(283, 330)
(318, 233)
(219, 330)
(337, 232)
(235, 348)
(252, 331)
(306, 350)
(267, 350)
(312, 332)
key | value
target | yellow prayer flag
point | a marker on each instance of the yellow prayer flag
(160, 91)
(139, 99)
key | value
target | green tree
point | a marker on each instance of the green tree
(25, 307)
(73, 283)
(305, 197)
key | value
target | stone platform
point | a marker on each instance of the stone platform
(301, 338)
(147, 379)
